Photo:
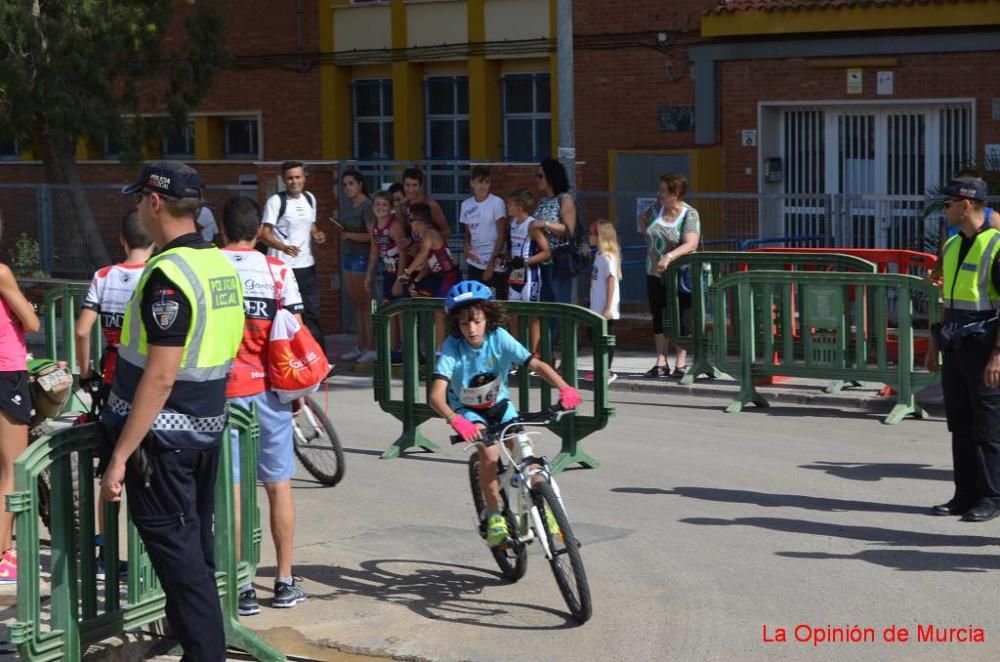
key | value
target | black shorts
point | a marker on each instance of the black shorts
(498, 282)
(15, 396)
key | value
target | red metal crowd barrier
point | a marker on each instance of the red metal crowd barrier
(887, 260)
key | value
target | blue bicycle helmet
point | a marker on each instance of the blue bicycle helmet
(466, 291)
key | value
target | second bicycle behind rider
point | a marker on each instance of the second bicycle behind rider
(470, 383)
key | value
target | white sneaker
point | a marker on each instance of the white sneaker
(368, 356)
(352, 355)
(611, 376)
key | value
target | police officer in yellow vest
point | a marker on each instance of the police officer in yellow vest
(167, 407)
(967, 337)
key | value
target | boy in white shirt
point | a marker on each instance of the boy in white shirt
(484, 217)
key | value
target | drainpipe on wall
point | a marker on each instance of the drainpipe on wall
(564, 66)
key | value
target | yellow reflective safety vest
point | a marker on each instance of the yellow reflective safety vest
(194, 415)
(968, 288)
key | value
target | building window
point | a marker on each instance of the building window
(527, 117)
(446, 138)
(179, 143)
(447, 106)
(372, 106)
(10, 148)
(241, 139)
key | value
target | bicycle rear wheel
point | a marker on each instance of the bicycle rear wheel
(567, 564)
(317, 445)
(512, 558)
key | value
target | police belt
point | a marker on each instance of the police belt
(951, 336)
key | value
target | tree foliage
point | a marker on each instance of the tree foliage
(76, 67)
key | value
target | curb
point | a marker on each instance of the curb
(726, 389)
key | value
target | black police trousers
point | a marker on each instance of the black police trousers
(174, 519)
(973, 411)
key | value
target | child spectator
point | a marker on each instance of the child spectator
(484, 218)
(267, 285)
(388, 237)
(529, 249)
(605, 280)
(109, 294)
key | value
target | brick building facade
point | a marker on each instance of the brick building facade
(720, 91)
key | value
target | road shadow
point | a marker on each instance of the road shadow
(806, 410)
(911, 560)
(873, 534)
(876, 471)
(769, 500)
(436, 591)
(427, 456)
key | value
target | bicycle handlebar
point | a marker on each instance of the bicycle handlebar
(553, 413)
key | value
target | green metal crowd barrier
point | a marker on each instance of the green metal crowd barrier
(707, 267)
(81, 613)
(823, 326)
(418, 325)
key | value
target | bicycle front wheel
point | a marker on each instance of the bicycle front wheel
(567, 564)
(511, 558)
(317, 445)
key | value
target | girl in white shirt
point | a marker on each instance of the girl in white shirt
(605, 279)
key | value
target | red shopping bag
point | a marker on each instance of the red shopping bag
(296, 363)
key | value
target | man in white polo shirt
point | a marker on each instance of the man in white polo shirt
(289, 227)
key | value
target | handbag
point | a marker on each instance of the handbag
(574, 257)
(296, 364)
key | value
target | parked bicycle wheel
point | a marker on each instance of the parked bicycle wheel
(512, 558)
(317, 445)
(567, 564)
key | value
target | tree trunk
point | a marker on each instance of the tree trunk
(78, 245)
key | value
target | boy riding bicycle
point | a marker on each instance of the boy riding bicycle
(470, 383)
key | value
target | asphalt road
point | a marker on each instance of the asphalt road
(700, 529)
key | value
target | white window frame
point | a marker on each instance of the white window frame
(238, 156)
(535, 115)
(16, 154)
(384, 117)
(454, 117)
(188, 139)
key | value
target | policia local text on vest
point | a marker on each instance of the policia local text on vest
(167, 410)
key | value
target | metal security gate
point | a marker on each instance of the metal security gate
(881, 159)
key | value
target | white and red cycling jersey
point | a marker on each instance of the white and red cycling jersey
(261, 277)
(110, 291)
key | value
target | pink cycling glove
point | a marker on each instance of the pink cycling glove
(465, 429)
(569, 398)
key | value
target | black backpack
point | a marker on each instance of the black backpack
(283, 198)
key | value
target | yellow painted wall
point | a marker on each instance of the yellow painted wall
(529, 65)
(436, 23)
(335, 81)
(517, 19)
(362, 27)
(408, 110)
(209, 142)
(371, 72)
(853, 19)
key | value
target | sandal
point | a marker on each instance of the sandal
(657, 371)
(679, 372)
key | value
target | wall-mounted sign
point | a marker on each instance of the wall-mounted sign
(855, 81)
(886, 82)
(749, 138)
(675, 118)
